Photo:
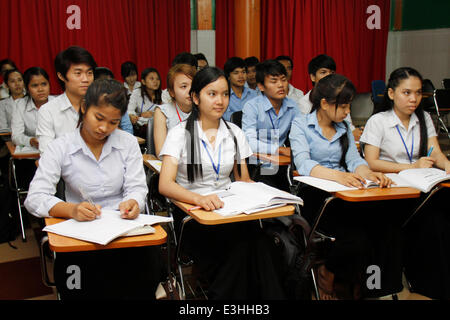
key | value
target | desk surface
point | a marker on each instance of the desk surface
(12, 148)
(280, 160)
(5, 134)
(375, 194)
(140, 140)
(65, 244)
(445, 184)
(212, 218)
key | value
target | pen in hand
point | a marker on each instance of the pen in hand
(86, 197)
(430, 151)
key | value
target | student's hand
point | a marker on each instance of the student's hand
(34, 143)
(85, 211)
(424, 162)
(147, 114)
(209, 202)
(357, 133)
(285, 151)
(447, 167)
(350, 179)
(379, 178)
(129, 209)
(133, 118)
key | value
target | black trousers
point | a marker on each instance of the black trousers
(427, 261)
(238, 260)
(128, 273)
(367, 234)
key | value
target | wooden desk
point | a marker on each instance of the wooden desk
(212, 218)
(445, 184)
(5, 134)
(140, 140)
(377, 194)
(276, 159)
(12, 149)
(65, 244)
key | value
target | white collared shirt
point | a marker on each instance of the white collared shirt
(295, 94)
(117, 176)
(24, 121)
(137, 105)
(137, 85)
(4, 91)
(381, 132)
(7, 107)
(165, 97)
(306, 106)
(172, 116)
(175, 146)
(55, 118)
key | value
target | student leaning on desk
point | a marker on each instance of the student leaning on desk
(103, 164)
(199, 155)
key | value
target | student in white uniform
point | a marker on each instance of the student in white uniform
(14, 81)
(399, 136)
(75, 71)
(129, 73)
(105, 164)
(5, 65)
(144, 100)
(198, 157)
(23, 124)
(168, 115)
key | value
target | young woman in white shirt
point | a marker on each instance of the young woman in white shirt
(144, 101)
(105, 164)
(199, 155)
(167, 116)
(14, 81)
(399, 136)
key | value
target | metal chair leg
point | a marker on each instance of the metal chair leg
(432, 192)
(44, 270)
(18, 191)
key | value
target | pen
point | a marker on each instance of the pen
(194, 208)
(430, 151)
(86, 196)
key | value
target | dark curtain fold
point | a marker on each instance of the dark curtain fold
(225, 47)
(148, 32)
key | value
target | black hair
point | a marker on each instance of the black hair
(8, 73)
(321, 61)
(335, 89)
(33, 71)
(158, 91)
(105, 92)
(280, 58)
(7, 61)
(233, 63)
(72, 55)
(269, 68)
(200, 56)
(387, 104)
(194, 167)
(126, 68)
(251, 61)
(185, 58)
(102, 71)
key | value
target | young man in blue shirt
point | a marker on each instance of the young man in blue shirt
(236, 72)
(266, 120)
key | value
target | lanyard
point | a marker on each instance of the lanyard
(410, 155)
(216, 169)
(176, 108)
(273, 126)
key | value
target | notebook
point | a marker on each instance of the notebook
(107, 227)
(25, 150)
(245, 197)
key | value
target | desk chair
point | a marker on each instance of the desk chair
(442, 106)
(362, 108)
(378, 88)
(446, 83)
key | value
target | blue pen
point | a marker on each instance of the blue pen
(430, 151)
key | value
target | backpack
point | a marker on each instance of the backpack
(289, 234)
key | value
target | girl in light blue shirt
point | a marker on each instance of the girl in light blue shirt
(323, 146)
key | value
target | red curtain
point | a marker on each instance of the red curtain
(147, 32)
(224, 31)
(303, 29)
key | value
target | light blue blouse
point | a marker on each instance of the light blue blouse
(310, 148)
(236, 103)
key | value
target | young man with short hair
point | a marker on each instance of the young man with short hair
(293, 93)
(251, 63)
(235, 70)
(75, 71)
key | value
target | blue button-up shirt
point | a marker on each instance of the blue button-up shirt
(236, 103)
(310, 148)
(265, 130)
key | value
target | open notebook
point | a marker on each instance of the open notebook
(107, 227)
(244, 197)
(25, 150)
(422, 179)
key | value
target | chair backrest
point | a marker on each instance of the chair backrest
(378, 88)
(150, 141)
(236, 118)
(442, 99)
(428, 103)
(362, 108)
(446, 83)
